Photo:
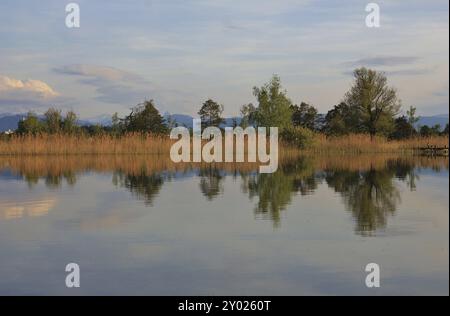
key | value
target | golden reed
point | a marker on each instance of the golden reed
(135, 143)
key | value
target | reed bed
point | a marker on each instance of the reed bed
(362, 143)
(60, 144)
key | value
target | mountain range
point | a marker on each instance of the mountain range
(10, 121)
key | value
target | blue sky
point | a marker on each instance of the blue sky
(180, 53)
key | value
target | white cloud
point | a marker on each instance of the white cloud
(16, 86)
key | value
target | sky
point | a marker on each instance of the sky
(181, 52)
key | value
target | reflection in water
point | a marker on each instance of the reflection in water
(143, 186)
(19, 209)
(53, 181)
(274, 191)
(368, 184)
(211, 182)
(370, 195)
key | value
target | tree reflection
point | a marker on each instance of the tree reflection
(275, 190)
(143, 186)
(211, 182)
(52, 181)
(370, 195)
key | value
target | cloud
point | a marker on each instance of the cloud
(15, 86)
(99, 72)
(112, 85)
(400, 72)
(24, 95)
(384, 61)
(116, 86)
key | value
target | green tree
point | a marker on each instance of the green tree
(116, 124)
(403, 129)
(445, 130)
(425, 131)
(53, 120)
(145, 118)
(304, 115)
(412, 118)
(69, 124)
(30, 125)
(436, 129)
(274, 107)
(340, 120)
(375, 103)
(248, 115)
(211, 113)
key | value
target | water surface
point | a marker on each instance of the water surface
(143, 225)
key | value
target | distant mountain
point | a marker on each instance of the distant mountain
(186, 120)
(10, 121)
(441, 119)
(103, 119)
(180, 119)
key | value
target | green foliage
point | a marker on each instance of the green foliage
(69, 124)
(145, 118)
(248, 114)
(274, 107)
(445, 131)
(211, 113)
(298, 136)
(53, 120)
(412, 118)
(30, 125)
(427, 131)
(403, 129)
(374, 102)
(340, 120)
(117, 127)
(304, 115)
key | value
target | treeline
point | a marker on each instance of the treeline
(142, 118)
(370, 107)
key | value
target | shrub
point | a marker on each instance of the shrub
(298, 136)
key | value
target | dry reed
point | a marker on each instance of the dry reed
(151, 144)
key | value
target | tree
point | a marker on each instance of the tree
(69, 124)
(30, 125)
(374, 101)
(425, 131)
(53, 120)
(436, 130)
(211, 113)
(445, 131)
(340, 120)
(412, 118)
(248, 114)
(116, 124)
(274, 107)
(305, 116)
(145, 118)
(403, 129)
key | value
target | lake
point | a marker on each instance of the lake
(142, 225)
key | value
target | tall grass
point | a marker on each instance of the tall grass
(135, 143)
(79, 144)
(362, 143)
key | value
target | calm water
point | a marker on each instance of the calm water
(139, 225)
